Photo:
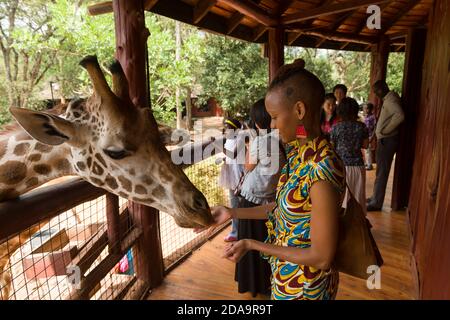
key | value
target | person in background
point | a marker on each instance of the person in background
(328, 116)
(370, 121)
(387, 129)
(340, 92)
(232, 170)
(349, 136)
(262, 166)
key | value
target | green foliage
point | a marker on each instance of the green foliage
(202, 174)
(394, 76)
(235, 73)
(50, 37)
(167, 74)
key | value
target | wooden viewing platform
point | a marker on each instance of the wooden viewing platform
(205, 275)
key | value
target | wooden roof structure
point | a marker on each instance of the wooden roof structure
(327, 24)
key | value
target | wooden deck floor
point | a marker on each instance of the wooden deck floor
(204, 275)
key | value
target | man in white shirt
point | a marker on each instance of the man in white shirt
(387, 129)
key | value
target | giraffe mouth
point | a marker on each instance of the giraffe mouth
(193, 223)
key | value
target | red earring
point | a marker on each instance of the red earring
(301, 132)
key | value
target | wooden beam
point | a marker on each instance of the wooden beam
(236, 19)
(292, 37)
(283, 7)
(276, 51)
(344, 46)
(252, 10)
(340, 20)
(327, 10)
(202, 8)
(399, 47)
(320, 42)
(408, 7)
(339, 36)
(100, 8)
(258, 32)
(107, 7)
(149, 4)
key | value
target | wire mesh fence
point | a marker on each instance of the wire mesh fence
(70, 253)
(39, 263)
(177, 242)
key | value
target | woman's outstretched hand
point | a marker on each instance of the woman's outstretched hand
(221, 215)
(234, 251)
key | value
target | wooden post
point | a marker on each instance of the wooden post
(412, 82)
(378, 70)
(113, 222)
(131, 38)
(275, 51)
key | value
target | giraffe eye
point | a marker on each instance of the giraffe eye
(116, 154)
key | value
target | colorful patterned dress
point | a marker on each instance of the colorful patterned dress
(289, 222)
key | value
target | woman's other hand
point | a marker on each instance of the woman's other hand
(234, 251)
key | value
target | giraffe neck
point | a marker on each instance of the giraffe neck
(26, 163)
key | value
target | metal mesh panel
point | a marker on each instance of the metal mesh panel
(177, 242)
(36, 264)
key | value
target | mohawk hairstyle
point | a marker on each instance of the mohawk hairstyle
(299, 84)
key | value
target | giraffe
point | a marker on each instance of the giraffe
(107, 141)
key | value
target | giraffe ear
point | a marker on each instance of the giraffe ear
(170, 136)
(44, 127)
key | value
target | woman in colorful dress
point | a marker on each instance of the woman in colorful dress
(303, 220)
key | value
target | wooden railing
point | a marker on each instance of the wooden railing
(123, 231)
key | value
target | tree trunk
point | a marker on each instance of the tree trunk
(177, 58)
(188, 109)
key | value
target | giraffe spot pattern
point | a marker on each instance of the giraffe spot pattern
(111, 182)
(62, 165)
(12, 172)
(42, 169)
(126, 184)
(43, 147)
(97, 169)
(96, 181)
(123, 194)
(159, 192)
(80, 165)
(32, 182)
(100, 158)
(147, 180)
(21, 149)
(35, 157)
(140, 189)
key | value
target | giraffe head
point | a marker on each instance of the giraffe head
(116, 146)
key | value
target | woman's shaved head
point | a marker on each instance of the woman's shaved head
(293, 84)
